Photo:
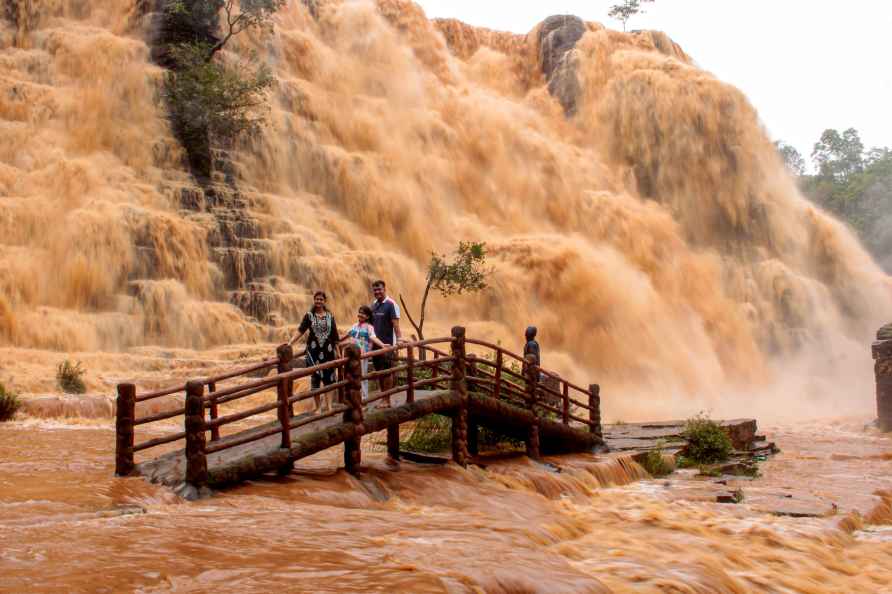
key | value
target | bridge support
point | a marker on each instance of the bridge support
(531, 369)
(125, 416)
(285, 354)
(393, 442)
(459, 384)
(196, 458)
(353, 445)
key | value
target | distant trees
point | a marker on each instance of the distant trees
(852, 183)
(839, 156)
(626, 10)
(792, 158)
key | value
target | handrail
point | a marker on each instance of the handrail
(403, 345)
(494, 347)
(217, 378)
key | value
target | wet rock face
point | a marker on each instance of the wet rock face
(557, 38)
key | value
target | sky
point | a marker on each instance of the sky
(806, 65)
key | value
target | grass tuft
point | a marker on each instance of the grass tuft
(69, 377)
(9, 404)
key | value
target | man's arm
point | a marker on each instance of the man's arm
(395, 320)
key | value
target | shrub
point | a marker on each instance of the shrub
(432, 433)
(9, 404)
(70, 377)
(654, 462)
(707, 441)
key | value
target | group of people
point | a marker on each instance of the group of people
(377, 326)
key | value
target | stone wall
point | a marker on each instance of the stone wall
(882, 354)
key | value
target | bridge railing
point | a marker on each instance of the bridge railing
(492, 371)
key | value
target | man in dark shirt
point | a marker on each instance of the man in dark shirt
(386, 321)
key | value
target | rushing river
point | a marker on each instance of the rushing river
(67, 525)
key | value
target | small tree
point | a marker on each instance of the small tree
(629, 8)
(208, 96)
(237, 17)
(466, 273)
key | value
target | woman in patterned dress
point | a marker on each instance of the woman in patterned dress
(322, 343)
(362, 334)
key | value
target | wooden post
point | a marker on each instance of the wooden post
(435, 371)
(410, 375)
(285, 354)
(283, 394)
(352, 446)
(531, 370)
(393, 442)
(566, 403)
(460, 454)
(215, 411)
(497, 388)
(459, 384)
(341, 391)
(124, 417)
(196, 459)
(594, 413)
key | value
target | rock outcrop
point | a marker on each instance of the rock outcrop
(557, 38)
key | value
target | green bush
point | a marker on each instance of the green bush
(708, 443)
(9, 404)
(432, 433)
(69, 377)
(654, 462)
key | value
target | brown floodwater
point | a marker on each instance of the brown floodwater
(67, 525)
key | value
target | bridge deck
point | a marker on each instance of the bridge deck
(265, 454)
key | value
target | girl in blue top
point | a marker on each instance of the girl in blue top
(362, 334)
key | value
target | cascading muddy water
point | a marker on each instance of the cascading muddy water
(634, 210)
(633, 206)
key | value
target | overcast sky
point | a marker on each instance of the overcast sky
(806, 65)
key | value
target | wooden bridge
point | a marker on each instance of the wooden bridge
(491, 387)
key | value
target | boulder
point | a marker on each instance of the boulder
(557, 38)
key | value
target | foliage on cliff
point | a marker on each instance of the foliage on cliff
(211, 99)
